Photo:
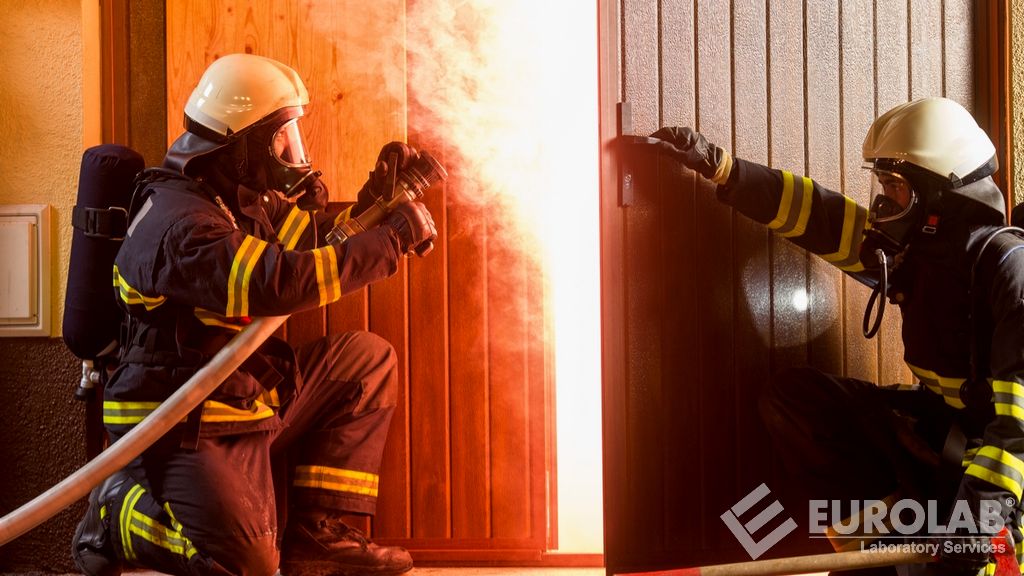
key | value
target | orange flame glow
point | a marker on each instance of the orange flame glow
(515, 86)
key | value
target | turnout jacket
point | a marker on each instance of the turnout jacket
(931, 287)
(192, 271)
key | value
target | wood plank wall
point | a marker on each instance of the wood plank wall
(465, 469)
(703, 297)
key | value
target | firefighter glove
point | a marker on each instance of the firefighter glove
(961, 555)
(315, 197)
(413, 225)
(696, 153)
(392, 159)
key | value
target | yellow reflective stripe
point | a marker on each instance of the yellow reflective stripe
(241, 270)
(785, 203)
(294, 225)
(190, 549)
(999, 467)
(160, 535)
(994, 478)
(213, 319)
(1008, 399)
(127, 412)
(805, 210)
(344, 215)
(336, 479)
(132, 296)
(271, 398)
(1004, 387)
(1013, 410)
(847, 257)
(1008, 459)
(968, 457)
(214, 411)
(127, 508)
(948, 387)
(328, 282)
(794, 208)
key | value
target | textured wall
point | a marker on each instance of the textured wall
(42, 431)
(41, 123)
(41, 96)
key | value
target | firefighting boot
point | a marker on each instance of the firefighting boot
(325, 546)
(93, 546)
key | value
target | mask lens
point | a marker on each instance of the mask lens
(884, 208)
(892, 196)
(287, 147)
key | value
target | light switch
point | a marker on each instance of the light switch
(24, 270)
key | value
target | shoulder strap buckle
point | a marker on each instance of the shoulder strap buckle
(108, 223)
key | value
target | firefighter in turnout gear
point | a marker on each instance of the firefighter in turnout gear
(929, 242)
(265, 471)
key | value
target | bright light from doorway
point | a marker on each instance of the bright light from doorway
(568, 75)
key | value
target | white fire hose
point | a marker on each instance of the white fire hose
(171, 412)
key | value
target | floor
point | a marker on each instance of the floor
(447, 572)
(519, 572)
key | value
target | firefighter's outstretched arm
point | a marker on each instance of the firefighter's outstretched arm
(826, 223)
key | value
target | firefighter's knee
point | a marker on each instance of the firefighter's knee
(248, 556)
(786, 393)
(795, 385)
(375, 368)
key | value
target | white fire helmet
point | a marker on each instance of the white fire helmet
(239, 90)
(239, 95)
(915, 151)
(936, 134)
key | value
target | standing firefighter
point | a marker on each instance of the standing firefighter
(927, 244)
(232, 226)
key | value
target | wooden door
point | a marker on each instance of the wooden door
(465, 474)
(700, 304)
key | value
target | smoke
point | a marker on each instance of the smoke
(473, 69)
(510, 89)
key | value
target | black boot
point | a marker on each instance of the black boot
(93, 546)
(326, 546)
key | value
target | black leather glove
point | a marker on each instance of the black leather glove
(315, 197)
(414, 227)
(392, 159)
(962, 556)
(696, 153)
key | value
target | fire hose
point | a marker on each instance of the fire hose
(1003, 556)
(407, 186)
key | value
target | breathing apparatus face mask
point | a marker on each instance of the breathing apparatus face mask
(290, 170)
(894, 213)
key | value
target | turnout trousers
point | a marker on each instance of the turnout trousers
(845, 440)
(218, 509)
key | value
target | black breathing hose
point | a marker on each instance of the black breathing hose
(877, 294)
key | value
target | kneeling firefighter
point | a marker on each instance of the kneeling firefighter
(930, 241)
(265, 471)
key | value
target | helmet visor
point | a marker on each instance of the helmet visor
(892, 196)
(287, 145)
